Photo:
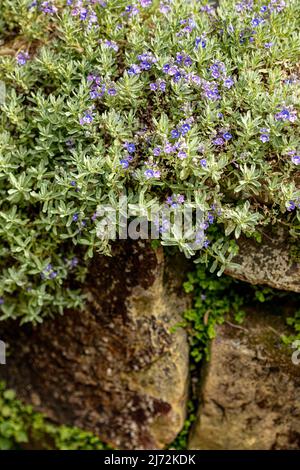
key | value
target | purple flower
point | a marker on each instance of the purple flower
(182, 154)
(112, 91)
(210, 91)
(1, 301)
(74, 261)
(185, 128)
(153, 86)
(200, 41)
(268, 45)
(286, 114)
(86, 119)
(175, 134)
(124, 164)
(32, 4)
(265, 138)
(149, 173)
(188, 61)
(203, 162)
(145, 3)
(218, 141)
(162, 85)
(217, 69)
(75, 217)
(22, 58)
(227, 136)
(130, 147)
(48, 7)
(134, 70)
(83, 14)
(291, 206)
(256, 22)
(145, 65)
(156, 151)
(111, 45)
(168, 148)
(296, 159)
(228, 82)
(73, 183)
(210, 218)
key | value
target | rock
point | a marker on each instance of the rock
(250, 395)
(273, 262)
(115, 368)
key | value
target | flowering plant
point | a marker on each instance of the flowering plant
(165, 98)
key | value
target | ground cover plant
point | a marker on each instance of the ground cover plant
(175, 101)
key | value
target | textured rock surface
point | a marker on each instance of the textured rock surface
(272, 262)
(114, 369)
(250, 395)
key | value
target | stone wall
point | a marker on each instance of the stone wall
(120, 369)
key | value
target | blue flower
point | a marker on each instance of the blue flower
(256, 22)
(185, 128)
(200, 41)
(149, 173)
(124, 164)
(175, 133)
(134, 70)
(210, 218)
(75, 217)
(145, 65)
(203, 162)
(22, 58)
(130, 147)
(265, 138)
(48, 7)
(291, 206)
(112, 91)
(296, 159)
(227, 136)
(86, 119)
(218, 141)
(228, 82)
(182, 154)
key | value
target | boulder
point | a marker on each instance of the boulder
(250, 391)
(115, 368)
(274, 262)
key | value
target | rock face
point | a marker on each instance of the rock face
(273, 262)
(250, 394)
(115, 368)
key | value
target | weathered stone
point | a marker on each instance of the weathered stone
(250, 394)
(272, 262)
(115, 368)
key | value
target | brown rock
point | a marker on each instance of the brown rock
(115, 368)
(250, 396)
(271, 262)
